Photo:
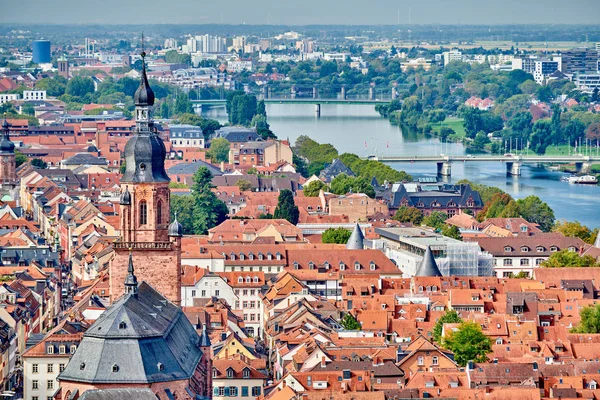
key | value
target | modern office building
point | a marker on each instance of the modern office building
(581, 60)
(452, 55)
(543, 69)
(41, 51)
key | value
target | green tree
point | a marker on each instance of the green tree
(39, 163)
(314, 188)
(520, 275)
(244, 184)
(533, 209)
(219, 150)
(408, 214)
(451, 231)
(209, 211)
(574, 229)
(529, 87)
(437, 219)
(259, 122)
(80, 86)
(183, 207)
(243, 109)
(590, 320)
(468, 343)
(337, 235)
(541, 136)
(446, 132)
(20, 158)
(449, 317)
(350, 323)
(183, 105)
(481, 139)
(567, 258)
(286, 208)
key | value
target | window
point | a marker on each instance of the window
(252, 304)
(246, 373)
(420, 360)
(256, 391)
(61, 350)
(245, 304)
(255, 279)
(215, 373)
(115, 368)
(143, 212)
(230, 373)
(35, 385)
(251, 317)
(372, 265)
(233, 391)
(34, 398)
(50, 368)
(539, 261)
(540, 249)
(524, 261)
(204, 293)
(507, 249)
(524, 249)
(221, 391)
(357, 265)
(159, 206)
(61, 367)
(51, 384)
(193, 293)
(34, 368)
(507, 261)
(244, 391)
(50, 349)
(217, 293)
(434, 361)
(553, 248)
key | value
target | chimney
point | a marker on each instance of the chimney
(226, 354)
(323, 364)
(283, 384)
(222, 166)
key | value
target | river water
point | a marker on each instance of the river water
(359, 129)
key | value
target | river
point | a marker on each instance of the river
(359, 129)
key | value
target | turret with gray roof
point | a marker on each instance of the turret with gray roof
(356, 240)
(428, 266)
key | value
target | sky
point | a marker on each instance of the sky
(303, 12)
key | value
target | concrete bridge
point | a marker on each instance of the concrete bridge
(315, 99)
(513, 163)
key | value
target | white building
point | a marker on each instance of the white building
(587, 82)
(189, 136)
(236, 380)
(34, 95)
(7, 97)
(543, 69)
(170, 43)
(247, 289)
(236, 66)
(452, 55)
(198, 283)
(43, 362)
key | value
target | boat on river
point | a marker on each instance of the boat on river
(584, 180)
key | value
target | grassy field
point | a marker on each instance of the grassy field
(454, 123)
(500, 44)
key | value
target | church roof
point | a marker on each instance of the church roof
(337, 167)
(141, 338)
(6, 146)
(119, 394)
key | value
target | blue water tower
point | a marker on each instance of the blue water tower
(41, 51)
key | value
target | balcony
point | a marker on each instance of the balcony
(143, 245)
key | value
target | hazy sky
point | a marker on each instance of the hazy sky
(300, 12)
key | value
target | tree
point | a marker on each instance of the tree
(337, 235)
(350, 323)
(437, 219)
(259, 122)
(183, 105)
(520, 275)
(244, 185)
(590, 320)
(286, 208)
(468, 343)
(541, 136)
(449, 317)
(574, 229)
(209, 211)
(219, 150)
(567, 258)
(80, 86)
(243, 109)
(445, 132)
(529, 87)
(183, 207)
(451, 231)
(20, 158)
(408, 214)
(481, 139)
(39, 163)
(544, 93)
(314, 188)
(533, 209)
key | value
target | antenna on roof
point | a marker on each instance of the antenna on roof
(143, 53)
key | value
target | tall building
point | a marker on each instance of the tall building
(63, 67)
(543, 69)
(142, 341)
(8, 176)
(41, 51)
(144, 208)
(581, 60)
(452, 55)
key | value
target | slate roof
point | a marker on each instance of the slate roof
(355, 242)
(145, 155)
(191, 168)
(185, 131)
(237, 134)
(146, 337)
(85, 159)
(337, 167)
(119, 394)
(457, 194)
(428, 266)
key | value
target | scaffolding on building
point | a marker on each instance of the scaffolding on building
(465, 259)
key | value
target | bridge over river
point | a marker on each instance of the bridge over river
(513, 163)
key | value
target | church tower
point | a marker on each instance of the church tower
(8, 175)
(145, 208)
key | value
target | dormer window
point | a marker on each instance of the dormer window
(269, 256)
(122, 325)
(255, 279)
(50, 349)
(540, 249)
(357, 265)
(73, 349)
(572, 249)
(507, 249)
(342, 266)
(296, 265)
(240, 280)
(62, 349)
(278, 256)
(248, 280)
(246, 373)
(372, 265)
(232, 256)
(553, 248)
(251, 256)
(524, 249)
(242, 256)
(326, 264)
(523, 228)
(115, 368)
(230, 373)
(260, 256)
(311, 265)
(215, 373)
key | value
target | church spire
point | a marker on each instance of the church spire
(6, 146)
(131, 283)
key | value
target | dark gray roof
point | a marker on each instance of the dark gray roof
(146, 337)
(145, 155)
(144, 96)
(237, 134)
(337, 167)
(428, 266)
(85, 159)
(185, 131)
(119, 394)
(356, 240)
(447, 194)
(6, 146)
(43, 256)
(191, 167)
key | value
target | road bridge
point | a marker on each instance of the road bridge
(583, 163)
